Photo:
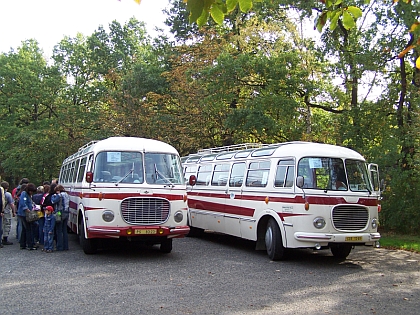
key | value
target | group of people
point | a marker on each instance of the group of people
(51, 205)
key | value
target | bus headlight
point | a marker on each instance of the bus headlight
(374, 223)
(178, 216)
(319, 222)
(108, 215)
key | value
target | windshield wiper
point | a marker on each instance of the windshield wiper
(163, 176)
(125, 176)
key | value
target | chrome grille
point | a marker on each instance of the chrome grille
(145, 211)
(350, 218)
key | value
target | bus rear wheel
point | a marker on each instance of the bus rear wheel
(89, 246)
(273, 241)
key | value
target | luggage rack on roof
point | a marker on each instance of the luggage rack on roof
(87, 145)
(234, 147)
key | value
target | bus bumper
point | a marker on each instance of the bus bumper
(353, 238)
(138, 231)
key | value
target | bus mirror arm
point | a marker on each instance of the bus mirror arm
(300, 181)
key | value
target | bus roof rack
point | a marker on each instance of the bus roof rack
(87, 145)
(234, 147)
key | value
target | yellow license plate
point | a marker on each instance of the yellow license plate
(353, 238)
(149, 231)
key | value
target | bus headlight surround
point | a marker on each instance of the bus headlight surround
(374, 223)
(319, 222)
(108, 216)
(178, 216)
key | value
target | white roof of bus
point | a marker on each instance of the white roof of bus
(133, 143)
(124, 144)
(298, 149)
(302, 149)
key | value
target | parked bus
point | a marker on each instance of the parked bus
(126, 188)
(286, 195)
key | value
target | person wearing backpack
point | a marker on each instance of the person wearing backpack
(61, 202)
(25, 205)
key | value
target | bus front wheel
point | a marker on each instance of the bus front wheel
(89, 246)
(166, 246)
(340, 251)
(273, 241)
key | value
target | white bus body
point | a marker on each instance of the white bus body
(287, 195)
(128, 188)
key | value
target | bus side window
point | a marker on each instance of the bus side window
(237, 175)
(285, 174)
(220, 175)
(258, 174)
(204, 175)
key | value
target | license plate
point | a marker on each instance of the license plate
(149, 231)
(353, 238)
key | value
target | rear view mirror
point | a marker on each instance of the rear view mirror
(89, 177)
(300, 181)
(192, 180)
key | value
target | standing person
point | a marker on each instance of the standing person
(16, 194)
(41, 221)
(61, 201)
(9, 212)
(37, 198)
(2, 205)
(25, 205)
(49, 229)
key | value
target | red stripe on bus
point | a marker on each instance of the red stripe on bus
(315, 200)
(219, 207)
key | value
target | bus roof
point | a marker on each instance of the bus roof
(296, 149)
(125, 144)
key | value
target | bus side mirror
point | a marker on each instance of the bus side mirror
(192, 180)
(300, 181)
(89, 177)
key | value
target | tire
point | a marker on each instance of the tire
(273, 241)
(341, 251)
(195, 232)
(89, 246)
(166, 246)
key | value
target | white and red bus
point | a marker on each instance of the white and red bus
(127, 188)
(286, 195)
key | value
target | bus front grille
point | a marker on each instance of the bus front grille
(350, 218)
(145, 211)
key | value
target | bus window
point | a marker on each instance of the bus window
(113, 166)
(323, 173)
(163, 168)
(204, 175)
(220, 175)
(190, 170)
(285, 174)
(258, 174)
(82, 170)
(237, 175)
(76, 168)
(358, 176)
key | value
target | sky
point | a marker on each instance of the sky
(49, 21)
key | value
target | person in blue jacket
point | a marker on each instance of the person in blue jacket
(25, 205)
(61, 200)
(49, 226)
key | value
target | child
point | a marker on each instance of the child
(49, 229)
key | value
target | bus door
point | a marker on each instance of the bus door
(234, 199)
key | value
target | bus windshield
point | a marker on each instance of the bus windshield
(163, 168)
(334, 174)
(128, 167)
